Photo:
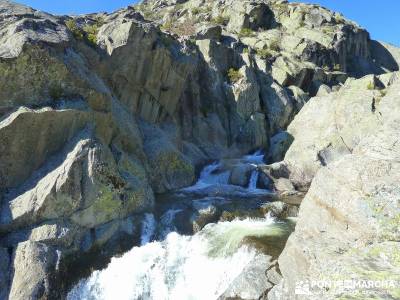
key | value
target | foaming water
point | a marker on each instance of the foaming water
(200, 267)
(214, 180)
(209, 176)
(253, 180)
(255, 158)
(171, 266)
(148, 229)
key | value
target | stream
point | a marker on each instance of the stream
(209, 241)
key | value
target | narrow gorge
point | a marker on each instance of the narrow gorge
(197, 149)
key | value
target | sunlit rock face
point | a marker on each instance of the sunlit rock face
(101, 112)
(348, 221)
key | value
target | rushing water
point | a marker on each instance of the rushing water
(170, 265)
(253, 180)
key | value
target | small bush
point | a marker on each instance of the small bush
(246, 32)
(234, 75)
(91, 33)
(74, 28)
(337, 67)
(246, 50)
(220, 20)
(264, 53)
(196, 11)
(274, 46)
(339, 18)
(167, 26)
(56, 91)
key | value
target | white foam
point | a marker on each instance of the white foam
(253, 180)
(148, 229)
(180, 267)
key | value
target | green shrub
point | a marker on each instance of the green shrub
(167, 26)
(91, 33)
(196, 11)
(220, 20)
(245, 32)
(74, 28)
(337, 67)
(264, 53)
(56, 91)
(274, 46)
(339, 18)
(246, 50)
(234, 75)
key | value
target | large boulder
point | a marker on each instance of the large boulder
(83, 182)
(49, 130)
(170, 169)
(323, 132)
(16, 24)
(33, 264)
(348, 221)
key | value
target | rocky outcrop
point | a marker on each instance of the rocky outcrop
(100, 112)
(348, 221)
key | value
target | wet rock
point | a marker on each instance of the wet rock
(205, 214)
(252, 282)
(281, 210)
(240, 175)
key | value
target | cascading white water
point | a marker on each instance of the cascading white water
(180, 267)
(255, 158)
(253, 180)
(207, 176)
(168, 265)
(148, 229)
(167, 224)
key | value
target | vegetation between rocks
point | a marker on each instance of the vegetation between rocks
(234, 75)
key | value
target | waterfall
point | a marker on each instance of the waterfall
(167, 222)
(209, 177)
(202, 266)
(211, 264)
(148, 229)
(253, 181)
(255, 158)
(214, 179)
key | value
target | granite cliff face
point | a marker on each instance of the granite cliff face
(100, 112)
(348, 226)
